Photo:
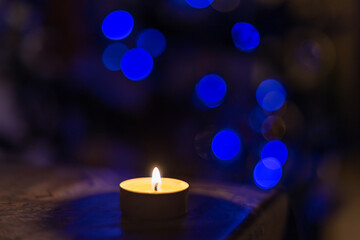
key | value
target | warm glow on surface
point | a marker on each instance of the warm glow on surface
(156, 179)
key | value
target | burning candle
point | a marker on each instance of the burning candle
(153, 198)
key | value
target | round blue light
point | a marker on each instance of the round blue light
(275, 149)
(226, 145)
(245, 36)
(136, 64)
(270, 95)
(153, 41)
(267, 173)
(112, 56)
(118, 25)
(211, 90)
(199, 3)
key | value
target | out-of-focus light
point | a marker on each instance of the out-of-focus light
(273, 128)
(245, 36)
(309, 57)
(18, 15)
(153, 41)
(226, 145)
(270, 95)
(225, 5)
(199, 3)
(136, 64)
(211, 90)
(118, 25)
(267, 173)
(275, 149)
(256, 119)
(112, 56)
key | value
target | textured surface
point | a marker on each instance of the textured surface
(65, 203)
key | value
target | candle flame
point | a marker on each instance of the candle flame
(156, 179)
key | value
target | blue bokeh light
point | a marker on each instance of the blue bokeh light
(211, 90)
(275, 149)
(267, 173)
(118, 25)
(153, 41)
(226, 145)
(245, 36)
(136, 64)
(199, 3)
(270, 94)
(256, 118)
(112, 56)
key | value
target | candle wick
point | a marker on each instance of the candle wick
(156, 186)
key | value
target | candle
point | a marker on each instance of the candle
(153, 197)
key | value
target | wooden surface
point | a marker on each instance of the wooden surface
(68, 203)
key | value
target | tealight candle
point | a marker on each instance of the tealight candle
(153, 197)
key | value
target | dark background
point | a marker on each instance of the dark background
(59, 105)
